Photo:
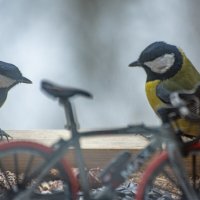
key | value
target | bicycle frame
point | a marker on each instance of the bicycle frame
(163, 135)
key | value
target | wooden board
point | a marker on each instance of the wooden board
(97, 151)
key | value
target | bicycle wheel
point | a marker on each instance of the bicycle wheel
(20, 164)
(159, 180)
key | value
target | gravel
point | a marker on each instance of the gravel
(126, 191)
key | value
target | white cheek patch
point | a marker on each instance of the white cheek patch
(5, 81)
(161, 64)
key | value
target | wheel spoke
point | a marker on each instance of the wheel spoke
(170, 176)
(16, 169)
(36, 171)
(28, 167)
(167, 183)
(194, 170)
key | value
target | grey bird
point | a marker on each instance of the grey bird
(9, 77)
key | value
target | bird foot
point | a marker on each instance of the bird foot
(4, 134)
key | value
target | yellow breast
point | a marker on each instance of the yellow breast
(150, 89)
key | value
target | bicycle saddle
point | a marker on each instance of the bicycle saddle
(62, 92)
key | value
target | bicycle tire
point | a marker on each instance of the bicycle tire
(23, 160)
(159, 181)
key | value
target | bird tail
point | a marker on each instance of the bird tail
(25, 80)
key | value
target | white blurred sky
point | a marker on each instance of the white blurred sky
(88, 44)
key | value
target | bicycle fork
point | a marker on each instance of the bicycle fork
(176, 161)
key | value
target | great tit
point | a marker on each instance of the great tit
(168, 70)
(9, 77)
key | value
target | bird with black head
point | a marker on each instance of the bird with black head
(168, 70)
(10, 76)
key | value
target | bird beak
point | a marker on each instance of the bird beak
(135, 64)
(25, 80)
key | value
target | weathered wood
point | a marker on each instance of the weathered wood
(98, 150)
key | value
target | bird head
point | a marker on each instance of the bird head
(10, 75)
(160, 61)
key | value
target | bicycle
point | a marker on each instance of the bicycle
(166, 147)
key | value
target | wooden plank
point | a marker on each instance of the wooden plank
(48, 137)
(97, 151)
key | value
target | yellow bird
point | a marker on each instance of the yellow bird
(168, 70)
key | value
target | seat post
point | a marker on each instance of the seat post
(72, 126)
(70, 117)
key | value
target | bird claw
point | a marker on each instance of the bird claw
(4, 134)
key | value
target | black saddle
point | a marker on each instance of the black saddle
(62, 92)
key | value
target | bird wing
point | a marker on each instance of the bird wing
(163, 93)
(191, 97)
(186, 79)
(166, 87)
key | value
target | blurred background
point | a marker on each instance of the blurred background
(88, 44)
